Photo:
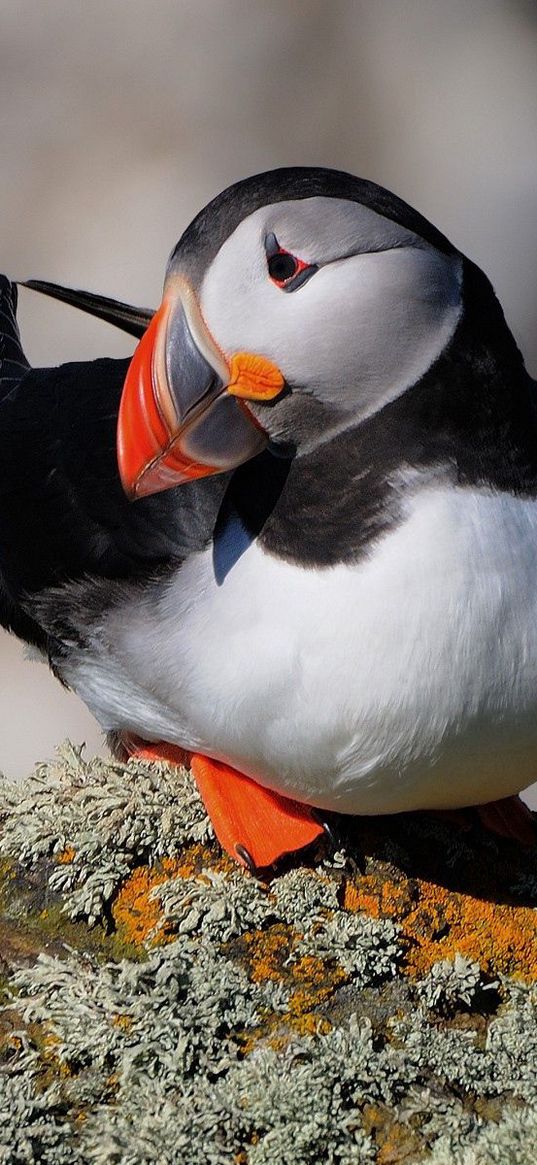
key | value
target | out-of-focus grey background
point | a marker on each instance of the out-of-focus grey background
(119, 120)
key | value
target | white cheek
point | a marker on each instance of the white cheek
(361, 331)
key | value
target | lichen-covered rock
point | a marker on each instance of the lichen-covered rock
(158, 1004)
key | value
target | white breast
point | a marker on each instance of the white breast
(407, 680)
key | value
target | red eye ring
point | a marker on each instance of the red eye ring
(285, 270)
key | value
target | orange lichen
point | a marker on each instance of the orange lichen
(310, 1024)
(135, 912)
(437, 923)
(378, 897)
(396, 1141)
(66, 856)
(316, 982)
(124, 1022)
(47, 1042)
(267, 951)
(268, 955)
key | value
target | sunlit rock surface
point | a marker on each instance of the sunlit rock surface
(375, 1004)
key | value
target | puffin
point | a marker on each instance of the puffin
(294, 538)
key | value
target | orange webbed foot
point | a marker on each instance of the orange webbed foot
(509, 817)
(171, 754)
(254, 826)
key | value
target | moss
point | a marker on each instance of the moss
(28, 927)
(4, 990)
(7, 875)
(50, 929)
(7, 1018)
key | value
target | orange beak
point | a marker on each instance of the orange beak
(182, 413)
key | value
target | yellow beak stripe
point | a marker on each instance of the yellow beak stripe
(254, 377)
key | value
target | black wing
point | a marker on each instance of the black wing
(133, 320)
(63, 512)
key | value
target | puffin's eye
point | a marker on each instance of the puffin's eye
(282, 266)
(285, 270)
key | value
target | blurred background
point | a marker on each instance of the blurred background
(120, 119)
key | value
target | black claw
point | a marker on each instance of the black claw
(327, 829)
(246, 857)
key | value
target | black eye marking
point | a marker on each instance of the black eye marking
(282, 267)
(286, 270)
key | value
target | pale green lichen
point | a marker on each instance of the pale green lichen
(218, 905)
(264, 1104)
(367, 948)
(506, 1063)
(173, 1014)
(271, 1025)
(107, 815)
(304, 898)
(451, 982)
(34, 1126)
(510, 1141)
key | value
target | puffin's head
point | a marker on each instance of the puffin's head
(297, 303)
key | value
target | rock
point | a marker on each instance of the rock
(158, 1004)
